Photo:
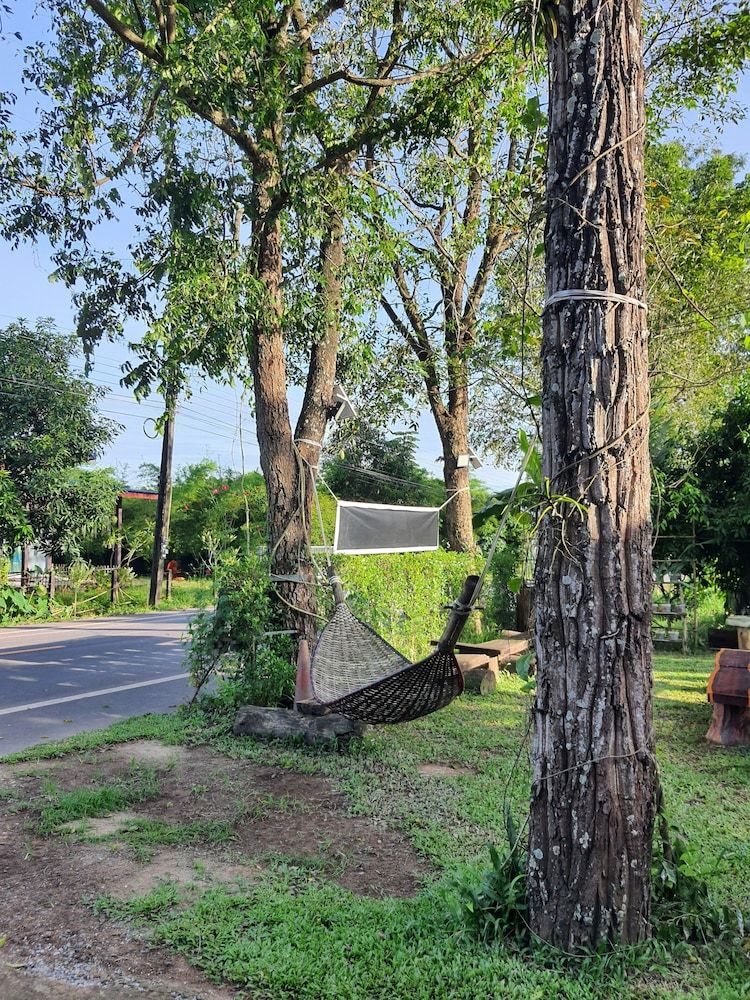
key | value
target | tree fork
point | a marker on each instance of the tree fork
(592, 804)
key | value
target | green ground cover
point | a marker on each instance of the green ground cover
(295, 934)
(94, 601)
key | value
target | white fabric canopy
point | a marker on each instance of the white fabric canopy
(369, 528)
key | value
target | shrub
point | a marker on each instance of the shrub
(506, 565)
(235, 637)
(17, 606)
(403, 595)
(496, 909)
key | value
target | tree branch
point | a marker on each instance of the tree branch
(123, 31)
(422, 348)
(215, 117)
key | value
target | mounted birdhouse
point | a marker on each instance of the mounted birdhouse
(469, 459)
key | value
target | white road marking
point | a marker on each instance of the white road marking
(91, 694)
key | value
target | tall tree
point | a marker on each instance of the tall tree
(295, 94)
(592, 804)
(49, 424)
(455, 212)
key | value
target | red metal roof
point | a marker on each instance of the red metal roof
(139, 495)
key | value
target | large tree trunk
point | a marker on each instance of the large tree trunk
(290, 461)
(457, 520)
(287, 526)
(593, 767)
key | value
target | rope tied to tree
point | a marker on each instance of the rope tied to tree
(594, 294)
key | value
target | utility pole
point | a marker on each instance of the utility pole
(593, 769)
(114, 592)
(163, 506)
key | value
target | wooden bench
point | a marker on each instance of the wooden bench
(505, 650)
(480, 672)
(481, 662)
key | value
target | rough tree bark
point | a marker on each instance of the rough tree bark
(453, 427)
(592, 799)
(288, 469)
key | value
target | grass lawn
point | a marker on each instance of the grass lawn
(295, 932)
(94, 601)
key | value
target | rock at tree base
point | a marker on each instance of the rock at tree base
(282, 723)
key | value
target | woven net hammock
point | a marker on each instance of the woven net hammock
(357, 673)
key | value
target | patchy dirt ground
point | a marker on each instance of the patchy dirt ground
(55, 945)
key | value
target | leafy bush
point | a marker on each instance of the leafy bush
(497, 909)
(403, 595)
(236, 638)
(506, 564)
(682, 907)
(17, 606)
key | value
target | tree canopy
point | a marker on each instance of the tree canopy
(49, 425)
(703, 490)
(698, 215)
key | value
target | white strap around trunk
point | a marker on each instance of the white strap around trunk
(573, 294)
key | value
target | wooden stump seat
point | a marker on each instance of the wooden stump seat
(728, 690)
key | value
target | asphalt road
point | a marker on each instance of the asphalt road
(60, 679)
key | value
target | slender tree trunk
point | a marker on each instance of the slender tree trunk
(592, 799)
(163, 508)
(453, 426)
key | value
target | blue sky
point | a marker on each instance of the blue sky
(207, 423)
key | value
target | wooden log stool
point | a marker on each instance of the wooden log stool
(729, 692)
(479, 671)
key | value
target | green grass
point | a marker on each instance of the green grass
(145, 835)
(159, 900)
(151, 831)
(171, 729)
(58, 807)
(294, 934)
(196, 593)
(95, 602)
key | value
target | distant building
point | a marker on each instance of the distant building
(38, 560)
